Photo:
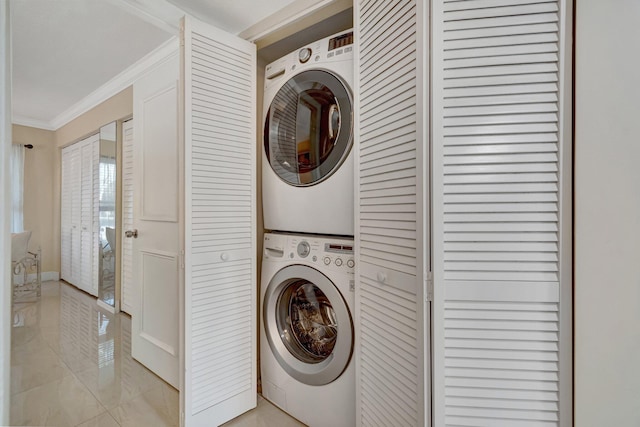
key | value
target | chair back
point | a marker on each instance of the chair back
(19, 245)
(111, 237)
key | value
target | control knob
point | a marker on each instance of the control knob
(304, 54)
(303, 249)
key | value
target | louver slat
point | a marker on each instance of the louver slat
(498, 159)
(389, 144)
(127, 216)
(220, 242)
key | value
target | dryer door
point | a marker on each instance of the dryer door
(308, 130)
(308, 325)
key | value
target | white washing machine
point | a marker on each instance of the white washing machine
(307, 159)
(307, 335)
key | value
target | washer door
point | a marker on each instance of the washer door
(308, 325)
(308, 130)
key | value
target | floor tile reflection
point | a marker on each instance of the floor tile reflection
(71, 365)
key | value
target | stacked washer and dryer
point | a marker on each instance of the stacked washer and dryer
(307, 289)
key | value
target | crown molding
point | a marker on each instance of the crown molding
(30, 122)
(118, 83)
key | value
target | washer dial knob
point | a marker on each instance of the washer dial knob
(304, 54)
(303, 249)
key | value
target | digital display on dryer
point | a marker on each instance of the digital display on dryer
(341, 41)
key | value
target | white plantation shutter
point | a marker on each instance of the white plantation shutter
(501, 213)
(220, 241)
(127, 216)
(390, 227)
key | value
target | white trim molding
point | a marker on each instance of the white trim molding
(32, 123)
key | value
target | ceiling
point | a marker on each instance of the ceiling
(64, 50)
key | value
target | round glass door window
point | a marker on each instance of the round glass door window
(308, 325)
(306, 321)
(308, 131)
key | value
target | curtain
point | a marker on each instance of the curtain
(17, 187)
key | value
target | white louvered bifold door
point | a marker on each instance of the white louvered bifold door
(391, 147)
(95, 215)
(127, 293)
(75, 178)
(219, 84)
(502, 212)
(87, 154)
(65, 215)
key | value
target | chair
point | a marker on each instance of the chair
(23, 264)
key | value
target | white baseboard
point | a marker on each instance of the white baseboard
(45, 276)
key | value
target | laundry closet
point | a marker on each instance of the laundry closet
(455, 278)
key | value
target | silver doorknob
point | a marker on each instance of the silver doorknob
(131, 233)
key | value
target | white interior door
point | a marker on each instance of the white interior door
(126, 281)
(76, 203)
(502, 213)
(392, 341)
(65, 216)
(220, 325)
(88, 151)
(157, 219)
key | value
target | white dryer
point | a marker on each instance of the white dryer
(307, 335)
(307, 160)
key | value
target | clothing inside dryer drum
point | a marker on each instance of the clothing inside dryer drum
(308, 128)
(306, 322)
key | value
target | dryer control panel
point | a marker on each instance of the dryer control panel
(324, 252)
(338, 47)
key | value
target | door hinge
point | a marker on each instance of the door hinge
(428, 278)
(181, 419)
(182, 260)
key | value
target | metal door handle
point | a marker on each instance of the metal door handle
(131, 233)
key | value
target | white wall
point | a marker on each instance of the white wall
(607, 213)
(5, 212)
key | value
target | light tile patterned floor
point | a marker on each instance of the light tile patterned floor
(71, 365)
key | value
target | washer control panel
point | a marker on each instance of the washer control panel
(325, 252)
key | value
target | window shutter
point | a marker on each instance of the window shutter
(501, 213)
(220, 242)
(390, 151)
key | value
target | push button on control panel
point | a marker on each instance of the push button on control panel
(350, 263)
(326, 260)
(338, 262)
